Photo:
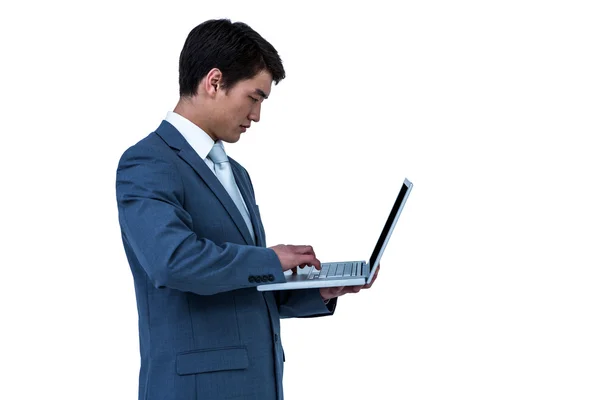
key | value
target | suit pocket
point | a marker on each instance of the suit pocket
(211, 360)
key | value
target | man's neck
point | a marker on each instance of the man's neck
(187, 108)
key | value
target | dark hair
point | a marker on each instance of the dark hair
(234, 48)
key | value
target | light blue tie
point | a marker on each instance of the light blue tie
(225, 175)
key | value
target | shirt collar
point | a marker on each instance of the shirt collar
(193, 134)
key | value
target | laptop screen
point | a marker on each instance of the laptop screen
(390, 224)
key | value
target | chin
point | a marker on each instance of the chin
(232, 139)
(235, 137)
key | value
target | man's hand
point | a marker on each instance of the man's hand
(331, 292)
(292, 256)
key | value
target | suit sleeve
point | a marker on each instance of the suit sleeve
(306, 303)
(155, 224)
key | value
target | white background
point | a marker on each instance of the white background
(489, 288)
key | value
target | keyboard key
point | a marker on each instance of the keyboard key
(340, 270)
(347, 269)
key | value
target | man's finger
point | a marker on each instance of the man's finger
(310, 260)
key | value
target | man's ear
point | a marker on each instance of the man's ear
(212, 82)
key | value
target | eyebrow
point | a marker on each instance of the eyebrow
(261, 93)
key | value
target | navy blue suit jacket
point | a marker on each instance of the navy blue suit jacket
(205, 331)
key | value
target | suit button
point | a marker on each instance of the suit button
(265, 278)
(271, 278)
(251, 279)
(276, 338)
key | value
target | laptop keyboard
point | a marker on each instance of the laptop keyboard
(337, 270)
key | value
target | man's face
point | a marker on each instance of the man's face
(236, 108)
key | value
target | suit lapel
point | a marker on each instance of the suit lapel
(245, 190)
(176, 141)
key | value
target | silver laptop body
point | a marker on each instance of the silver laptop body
(345, 273)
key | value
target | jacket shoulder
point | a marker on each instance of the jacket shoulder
(150, 146)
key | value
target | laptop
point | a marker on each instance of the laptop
(345, 273)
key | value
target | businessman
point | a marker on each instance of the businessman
(193, 236)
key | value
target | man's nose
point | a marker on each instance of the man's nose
(255, 114)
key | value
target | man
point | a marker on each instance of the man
(193, 236)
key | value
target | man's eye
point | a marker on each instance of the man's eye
(253, 99)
